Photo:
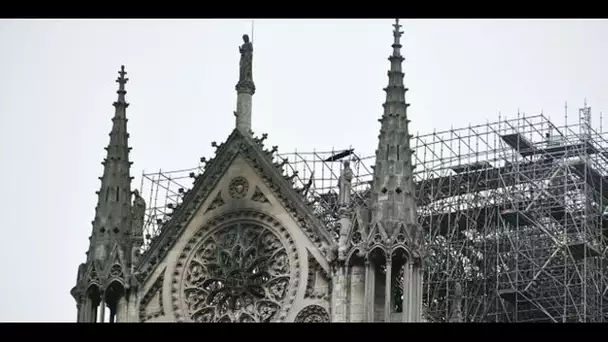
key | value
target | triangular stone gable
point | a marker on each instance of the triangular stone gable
(377, 234)
(93, 276)
(358, 231)
(207, 186)
(115, 266)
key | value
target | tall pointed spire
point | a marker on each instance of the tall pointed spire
(245, 88)
(113, 213)
(392, 196)
(103, 278)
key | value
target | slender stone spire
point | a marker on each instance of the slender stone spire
(103, 280)
(392, 193)
(245, 88)
(113, 212)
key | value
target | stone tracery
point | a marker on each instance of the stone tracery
(238, 273)
(313, 314)
(238, 187)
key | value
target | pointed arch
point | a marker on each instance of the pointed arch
(377, 252)
(401, 251)
(92, 299)
(114, 298)
(355, 258)
(377, 233)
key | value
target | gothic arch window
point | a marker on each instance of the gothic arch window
(240, 271)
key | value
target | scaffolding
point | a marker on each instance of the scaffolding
(314, 174)
(163, 191)
(513, 212)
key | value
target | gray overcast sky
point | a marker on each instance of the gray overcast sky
(319, 85)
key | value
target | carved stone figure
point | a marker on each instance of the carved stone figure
(345, 184)
(246, 65)
(138, 211)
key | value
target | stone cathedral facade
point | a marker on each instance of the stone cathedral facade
(244, 246)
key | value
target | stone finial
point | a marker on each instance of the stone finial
(397, 32)
(122, 80)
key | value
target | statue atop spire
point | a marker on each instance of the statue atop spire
(245, 88)
(246, 67)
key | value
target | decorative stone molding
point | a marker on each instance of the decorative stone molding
(216, 203)
(315, 269)
(156, 290)
(238, 187)
(258, 196)
(92, 276)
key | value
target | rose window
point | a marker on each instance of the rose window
(240, 273)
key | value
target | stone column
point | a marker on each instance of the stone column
(407, 278)
(87, 315)
(419, 293)
(79, 311)
(103, 309)
(122, 309)
(347, 297)
(92, 312)
(357, 294)
(335, 289)
(132, 310)
(369, 290)
(338, 294)
(243, 111)
(411, 292)
(387, 290)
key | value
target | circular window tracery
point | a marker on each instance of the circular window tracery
(238, 187)
(237, 273)
(313, 314)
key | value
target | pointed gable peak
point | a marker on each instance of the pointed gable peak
(270, 172)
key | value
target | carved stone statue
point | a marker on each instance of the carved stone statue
(331, 252)
(345, 185)
(246, 65)
(138, 211)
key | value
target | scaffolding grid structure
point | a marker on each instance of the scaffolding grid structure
(513, 212)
